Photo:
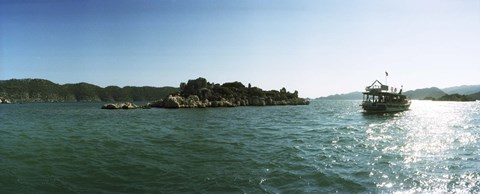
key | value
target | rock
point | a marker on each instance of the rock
(222, 103)
(199, 93)
(157, 104)
(204, 104)
(129, 105)
(126, 105)
(244, 103)
(5, 101)
(270, 101)
(192, 102)
(256, 101)
(204, 93)
(173, 102)
(227, 103)
(193, 87)
(214, 104)
(110, 106)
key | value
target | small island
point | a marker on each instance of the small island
(199, 93)
(452, 97)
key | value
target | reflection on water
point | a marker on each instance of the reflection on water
(426, 148)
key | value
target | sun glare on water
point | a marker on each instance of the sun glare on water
(434, 129)
(437, 144)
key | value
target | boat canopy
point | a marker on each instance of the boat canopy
(378, 87)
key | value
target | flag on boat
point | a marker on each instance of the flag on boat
(386, 73)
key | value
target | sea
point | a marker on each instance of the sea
(326, 147)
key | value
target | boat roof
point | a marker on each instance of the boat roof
(377, 88)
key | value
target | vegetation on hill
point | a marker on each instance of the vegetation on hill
(39, 90)
(200, 93)
(413, 94)
(452, 97)
(432, 93)
(347, 96)
(425, 92)
(215, 92)
(463, 90)
(475, 96)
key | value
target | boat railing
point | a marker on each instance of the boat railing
(383, 88)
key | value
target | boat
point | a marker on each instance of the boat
(381, 98)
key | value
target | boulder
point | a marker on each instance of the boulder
(256, 101)
(173, 102)
(5, 101)
(129, 105)
(228, 103)
(110, 106)
(193, 87)
(192, 101)
(157, 104)
(223, 103)
(126, 105)
(244, 103)
(270, 101)
(204, 104)
(214, 104)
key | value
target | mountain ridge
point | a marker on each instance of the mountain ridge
(463, 89)
(42, 90)
(418, 94)
(347, 96)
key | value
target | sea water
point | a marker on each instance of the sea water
(328, 146)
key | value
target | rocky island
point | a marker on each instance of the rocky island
(199, 93)
(4, 101)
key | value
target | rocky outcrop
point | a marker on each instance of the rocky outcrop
(126, 105)
(156, 104)
(193, 101)
(4, 101)
(258, 101)
(234, 94)
(201, 94)
(173, 102)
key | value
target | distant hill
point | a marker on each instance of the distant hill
(413, 94)
(348, 96)
(463, 90)
(448, 94)
(455, 97)
(425, 92)
(40, 90)
(475, 96)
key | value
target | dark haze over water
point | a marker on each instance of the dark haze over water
(327, 146)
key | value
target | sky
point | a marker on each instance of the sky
(319, 47)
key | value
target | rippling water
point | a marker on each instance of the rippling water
(327, 146)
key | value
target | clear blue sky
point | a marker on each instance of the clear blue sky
(316, 47)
